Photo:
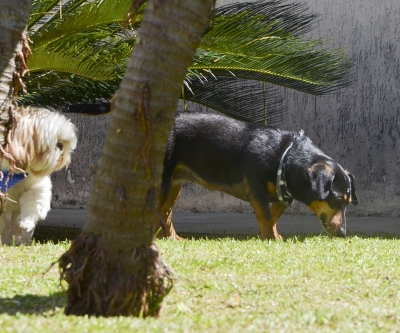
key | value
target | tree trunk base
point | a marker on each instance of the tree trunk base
(98, 288)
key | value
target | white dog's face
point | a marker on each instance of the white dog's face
(42, 143)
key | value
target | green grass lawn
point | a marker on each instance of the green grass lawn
(304, 284)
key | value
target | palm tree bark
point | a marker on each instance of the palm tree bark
(113, 267)
(14, 17)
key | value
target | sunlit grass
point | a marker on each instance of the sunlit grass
(313, 283)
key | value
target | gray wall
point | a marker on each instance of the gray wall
(359, 126)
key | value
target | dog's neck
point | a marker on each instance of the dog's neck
(282, 190)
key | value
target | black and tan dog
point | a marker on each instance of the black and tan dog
(263, 165)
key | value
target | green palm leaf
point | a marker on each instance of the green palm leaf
(83, 18)
(58, 12)
(63, 89)
(104, 61)
(41, 9)
(84, 53)
(253, 43)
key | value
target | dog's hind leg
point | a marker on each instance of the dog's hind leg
(165, 205)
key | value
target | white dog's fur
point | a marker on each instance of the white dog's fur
(40, 143)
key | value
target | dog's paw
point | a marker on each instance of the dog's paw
(271, 236)
(176, 237)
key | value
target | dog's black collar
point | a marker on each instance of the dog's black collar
(282, 190)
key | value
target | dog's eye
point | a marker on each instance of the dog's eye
(60, 145)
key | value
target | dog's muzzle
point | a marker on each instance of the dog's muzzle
(337, 225)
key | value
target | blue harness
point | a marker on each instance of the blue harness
(13, 179)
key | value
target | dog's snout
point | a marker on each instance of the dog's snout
(334, 225)
(337, 224)
(341, 232)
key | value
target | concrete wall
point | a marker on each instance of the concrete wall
(359, 126)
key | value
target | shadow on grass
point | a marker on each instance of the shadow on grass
(241, 237)
(33, 304)
(56, 234)
(298, 237)
(303, 237)
(45, 233)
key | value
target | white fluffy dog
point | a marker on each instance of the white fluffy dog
(40, 143)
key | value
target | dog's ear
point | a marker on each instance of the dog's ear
(321, 176)
(353, 194)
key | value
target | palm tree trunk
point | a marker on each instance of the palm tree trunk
(14, 17)
(113, 267)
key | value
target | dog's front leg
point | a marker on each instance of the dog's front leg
(18, 229)
(34, 206)
(258, 200)
(277, 208)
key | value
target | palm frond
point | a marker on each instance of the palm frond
(250, 101)
(292, 18)
(246, 100)
(250, 45)
(62, 90)
(81, 57)
(86, 17)
(71, 58)
(41, 9)
(66, 8)
(106, 62)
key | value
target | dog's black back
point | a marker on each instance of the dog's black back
(220, 151)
